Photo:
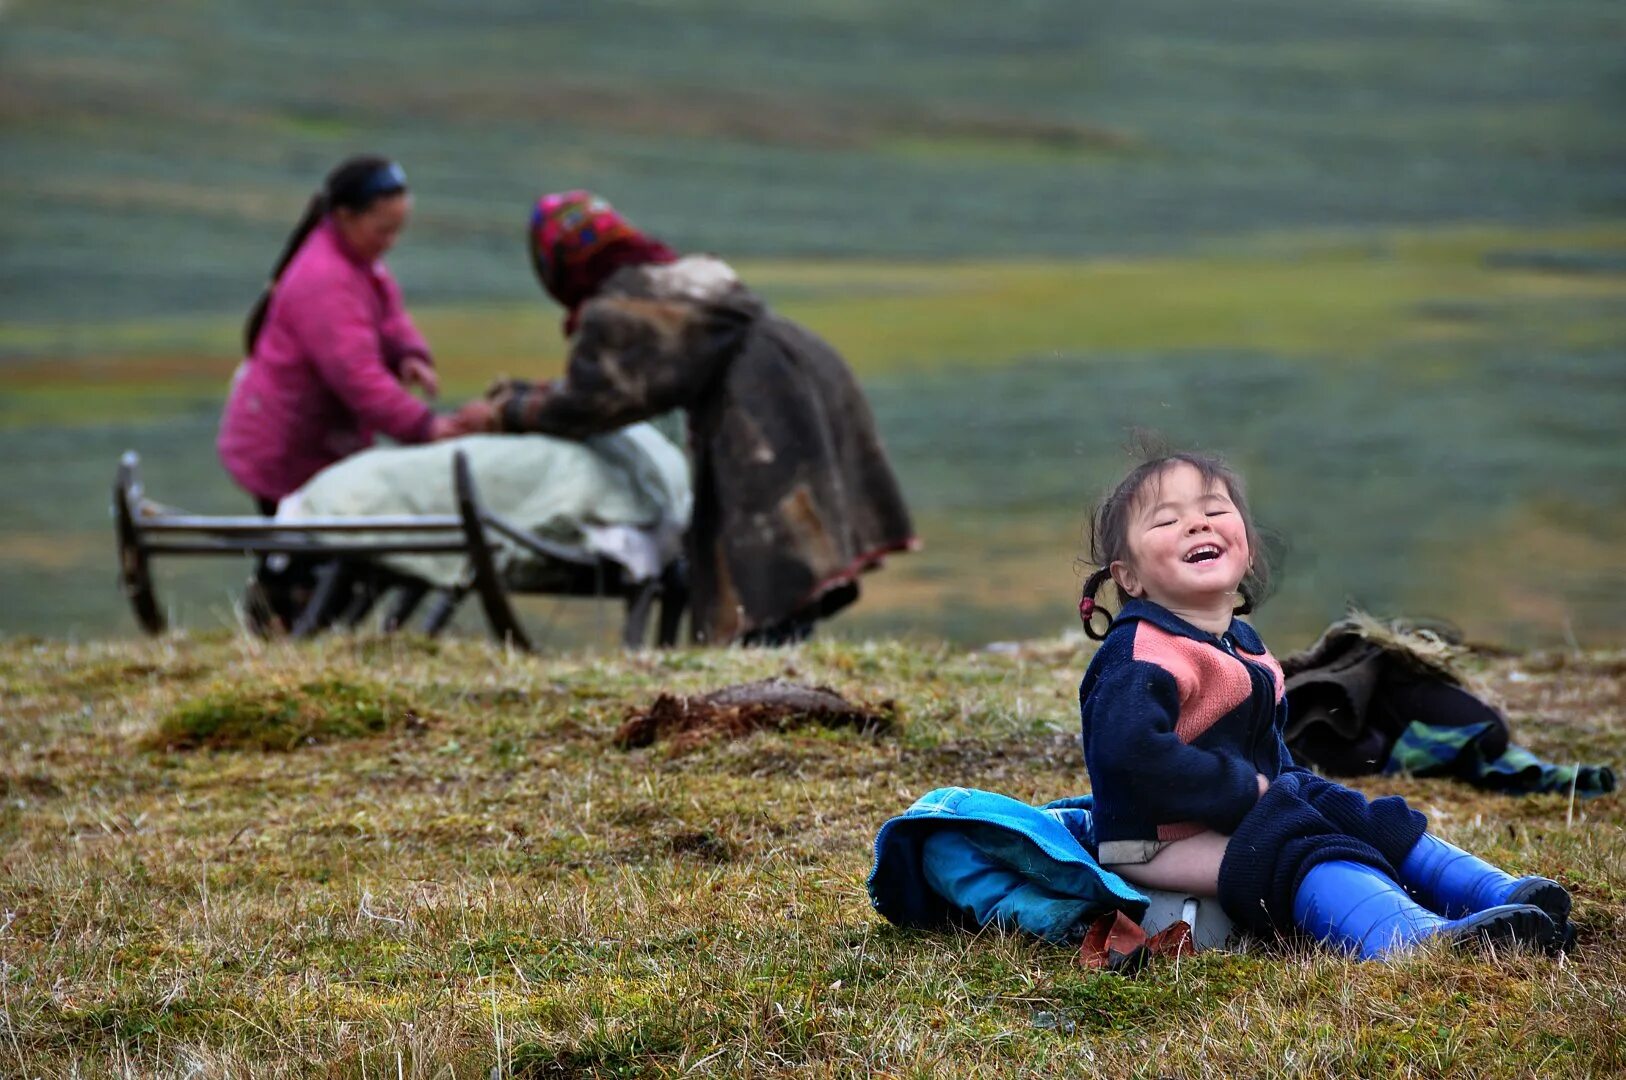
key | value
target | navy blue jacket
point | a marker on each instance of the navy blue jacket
(1177, 723)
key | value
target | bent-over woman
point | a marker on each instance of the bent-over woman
(794, 495)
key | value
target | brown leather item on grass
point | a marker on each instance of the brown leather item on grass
(735, 711)
(1117, 943)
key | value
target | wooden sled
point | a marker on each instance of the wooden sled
(349, 581)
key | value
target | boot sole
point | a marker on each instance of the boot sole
(1521, 924)
(1563, 940)
(1545, 894)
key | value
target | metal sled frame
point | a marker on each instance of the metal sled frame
(146, 530)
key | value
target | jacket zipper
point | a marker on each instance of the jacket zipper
(1253, 677)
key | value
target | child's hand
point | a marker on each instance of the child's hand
(1264, 785)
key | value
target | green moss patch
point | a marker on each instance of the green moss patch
(262, 716)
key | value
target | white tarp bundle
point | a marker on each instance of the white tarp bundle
(624, 495)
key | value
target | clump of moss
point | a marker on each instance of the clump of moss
(271, 716)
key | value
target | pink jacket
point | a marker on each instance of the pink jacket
(324, 373)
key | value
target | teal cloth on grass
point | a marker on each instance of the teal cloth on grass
(965, 857)
(1435, 750)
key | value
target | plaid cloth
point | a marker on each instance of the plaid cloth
(1437, 750)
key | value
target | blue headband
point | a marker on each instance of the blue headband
(389, 177)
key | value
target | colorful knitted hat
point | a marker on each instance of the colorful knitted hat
(578, 240)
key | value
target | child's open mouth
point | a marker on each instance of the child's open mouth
(1206, 553)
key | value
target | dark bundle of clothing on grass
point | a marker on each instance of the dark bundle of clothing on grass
(1386, 697)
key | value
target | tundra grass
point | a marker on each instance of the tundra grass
(496, 890)
(155, 154)
(1460, 387)
(1335, 296)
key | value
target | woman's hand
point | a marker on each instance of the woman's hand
(476, 415)
(1264, 785)
(470, 419)
(419, 372)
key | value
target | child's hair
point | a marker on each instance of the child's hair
(1109, 529)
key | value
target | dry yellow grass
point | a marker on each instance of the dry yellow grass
(495, 887)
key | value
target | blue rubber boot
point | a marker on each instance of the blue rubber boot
(1358, 909)
(1447, 880)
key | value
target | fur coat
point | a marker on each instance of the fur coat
(794, 494)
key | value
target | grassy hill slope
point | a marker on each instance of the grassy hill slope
(156, 153)
(1368, 246)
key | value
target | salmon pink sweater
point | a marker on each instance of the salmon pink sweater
(1177, 723)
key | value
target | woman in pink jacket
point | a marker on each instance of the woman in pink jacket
(330, 348)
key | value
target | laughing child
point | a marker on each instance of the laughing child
(1194, 788)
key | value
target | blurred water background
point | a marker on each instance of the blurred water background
(1374, 251)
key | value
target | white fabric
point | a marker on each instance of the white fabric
(624, 495)
(700, 278)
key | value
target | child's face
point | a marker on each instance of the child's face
(1188, 545)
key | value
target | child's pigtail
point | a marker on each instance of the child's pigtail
(1088, 609)
(1246, 607)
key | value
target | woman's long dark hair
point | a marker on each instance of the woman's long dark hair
(356, 184)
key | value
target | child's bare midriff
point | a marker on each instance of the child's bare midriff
(1191, 866)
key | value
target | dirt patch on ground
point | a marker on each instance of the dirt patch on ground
(704, 845)
(735, 711)
(27, 786)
